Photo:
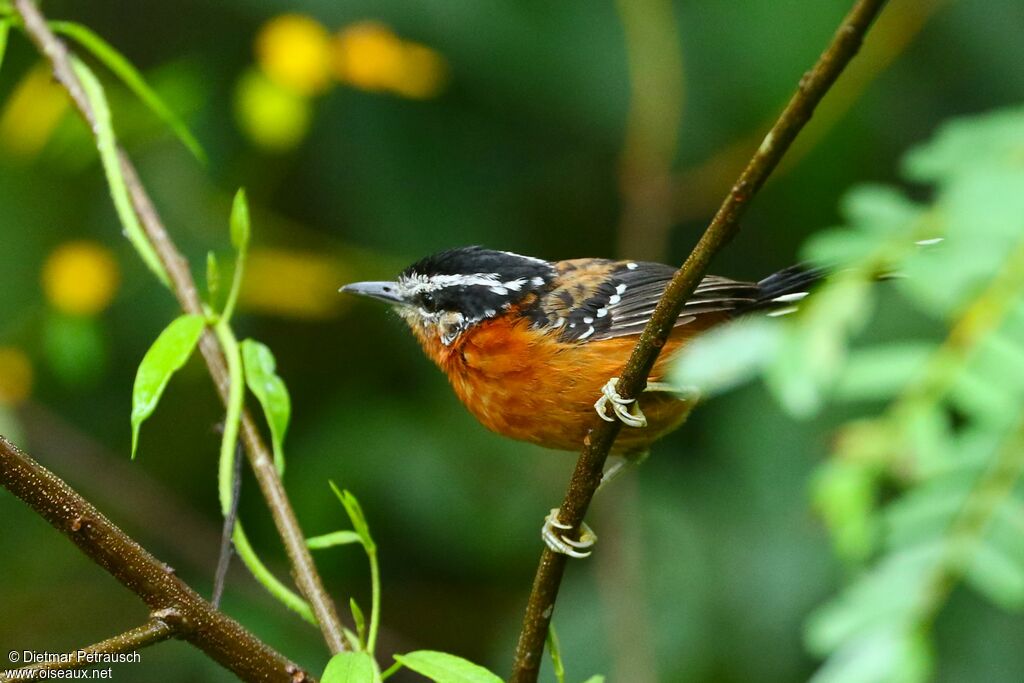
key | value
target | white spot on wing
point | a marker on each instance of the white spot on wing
(787, 298)
(588, 320)
(619, 289)
(602, 312)
(782, 311)
(614, 299)
(587, 333)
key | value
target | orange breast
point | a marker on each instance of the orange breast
(529, 386)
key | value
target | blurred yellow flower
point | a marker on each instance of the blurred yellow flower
(368, 55)
(33, 111)
(271, 116)
(295, 52)
(15, 376)
(80, 278)
(300, 284)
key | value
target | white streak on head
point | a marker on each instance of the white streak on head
(928, 242)
(631, 266)
(537, 282)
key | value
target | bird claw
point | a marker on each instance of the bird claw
(560, 543)
(625, 409)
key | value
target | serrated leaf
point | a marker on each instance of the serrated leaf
(270, 390)
(165, 357)
(726, 356)
(335, 538)
(131, 77)
(442, 667)
(350, 667)
(240, 228)
(106, 144)
(879, 373)
(996, 575)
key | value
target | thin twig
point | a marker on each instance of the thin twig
(173, 602)
(226, 548)
(184, 288)
(153, 631)
(587, 475)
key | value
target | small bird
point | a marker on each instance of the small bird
(528, 344)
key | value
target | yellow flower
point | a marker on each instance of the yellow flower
(272, 117)
(15, 376)
(295, 52)
(80, 278)
(32, 113)
(368, 55)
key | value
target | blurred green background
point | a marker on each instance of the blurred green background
(369, 134)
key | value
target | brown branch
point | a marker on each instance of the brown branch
(153, 631)
(184, 288)
(170, 600)
(723, 227)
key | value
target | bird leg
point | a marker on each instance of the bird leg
(627, 409)
(553, 531)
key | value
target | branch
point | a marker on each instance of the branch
(184, 288)
(153, 631)
(587, 475)
(179, 608)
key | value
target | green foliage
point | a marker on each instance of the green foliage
(445, 668)
(351, 667)
(5, 29)
(106, 143)
(367, 637)
(950, 438)
(240, 235)
(130, 76)
(165, 357)
(333, 539)
(270, 390)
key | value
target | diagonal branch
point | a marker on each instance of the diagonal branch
(182, 611)
(724, 226)
(153, 631)
(184, 288)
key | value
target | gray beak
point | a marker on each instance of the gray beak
(385, 291)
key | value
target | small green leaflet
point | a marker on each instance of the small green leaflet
(5, 27)
(355, 514)
(357, 616)
(240, 225)
(441, 667)
(131, 77)
(350, 667)
(332, 539)
(106, 143)
(165, 357)
(270, 390)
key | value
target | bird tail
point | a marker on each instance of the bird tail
(781, 292)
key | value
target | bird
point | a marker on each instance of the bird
(534, 347)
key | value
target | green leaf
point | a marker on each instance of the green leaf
(332, 539)
(5, 29)
(240, 229)
(165, 357)
(880, 372)
(596, 678)
(996, 575)
(131, 77)
(357, 616)
(270, 390)
(281, 592)
(106, 143)
(727, 356)
(355, 514)
(350, 667)
(445, 668)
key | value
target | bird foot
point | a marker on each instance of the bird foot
(557, 541)
(625, 409)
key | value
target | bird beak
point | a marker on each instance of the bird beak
(384, 291)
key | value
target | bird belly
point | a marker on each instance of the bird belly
(533, 388)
